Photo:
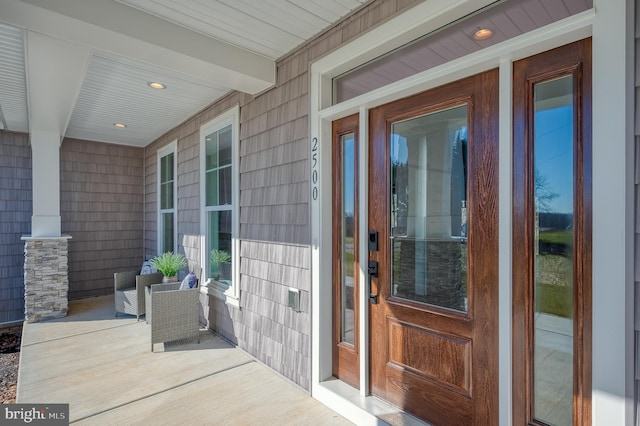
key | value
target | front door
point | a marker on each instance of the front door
(433, 201)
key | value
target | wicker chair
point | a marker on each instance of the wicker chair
(173, 313)
(128, 290)
(193, 267)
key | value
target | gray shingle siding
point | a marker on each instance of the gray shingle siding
(101, 190)
(274, 203)
(16, 208)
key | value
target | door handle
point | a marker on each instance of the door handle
(373, 272)
(373, 268)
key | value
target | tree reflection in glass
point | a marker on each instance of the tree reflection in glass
(553, 290)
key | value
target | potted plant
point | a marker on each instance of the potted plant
(217, 258)
(169, 264)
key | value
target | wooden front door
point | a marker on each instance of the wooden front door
(433, 201)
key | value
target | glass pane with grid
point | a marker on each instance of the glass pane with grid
(218, 163)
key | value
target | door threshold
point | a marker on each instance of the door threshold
(361, 410)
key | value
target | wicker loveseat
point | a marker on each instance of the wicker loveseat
(129, 291)
(173, 313)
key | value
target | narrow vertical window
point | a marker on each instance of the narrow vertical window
(219, 152)
(552, 237)
(218, 203)
(167, 199)
(345, 250)
(553, 123)
(348, 242)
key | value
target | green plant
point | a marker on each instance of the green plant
(169, 263)
(217, 257)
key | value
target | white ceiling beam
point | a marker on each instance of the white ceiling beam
(55, 71)
(122, 30)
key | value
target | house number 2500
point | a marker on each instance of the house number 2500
(314, 169)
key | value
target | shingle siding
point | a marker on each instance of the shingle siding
(16, 208)
(101, 193)
(274, 203)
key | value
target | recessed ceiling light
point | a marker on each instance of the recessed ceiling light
(482, 34)
(120, 125)
(156, 85)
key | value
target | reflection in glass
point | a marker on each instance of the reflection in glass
(218, 167)
(348, 238)
(212, 187)
(166, 182)
(219, 237)
(218, 204)
(166, 229)
(553, 291)
(224, 186)
(428, 208)
(224, 139)
(167, 232)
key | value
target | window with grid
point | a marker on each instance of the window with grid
(166, 199)
(219, 158)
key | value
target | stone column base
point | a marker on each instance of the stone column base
(46, 278)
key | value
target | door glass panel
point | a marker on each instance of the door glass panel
(348, 237)
(553, 291)
(428, 208)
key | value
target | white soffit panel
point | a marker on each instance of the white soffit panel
(115, 90)
(13, 89)
(269, 27)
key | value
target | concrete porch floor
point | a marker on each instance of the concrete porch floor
(103, 368)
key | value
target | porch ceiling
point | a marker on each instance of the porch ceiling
(76, 67)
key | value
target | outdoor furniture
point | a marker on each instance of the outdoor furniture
(128, 290)
(193, 267)
(175, 313)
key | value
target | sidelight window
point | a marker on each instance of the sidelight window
(552, 237)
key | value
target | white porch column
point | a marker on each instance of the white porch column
(46, 278)
(45, 154)
(55, 71)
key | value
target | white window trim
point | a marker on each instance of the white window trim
(384, 38)
(231, 295)
(171, 148)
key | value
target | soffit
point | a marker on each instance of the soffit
(506, 20)
(269, 27)
(200, 50)
(13, 89)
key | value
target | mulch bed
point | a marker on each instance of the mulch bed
(9, 361)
